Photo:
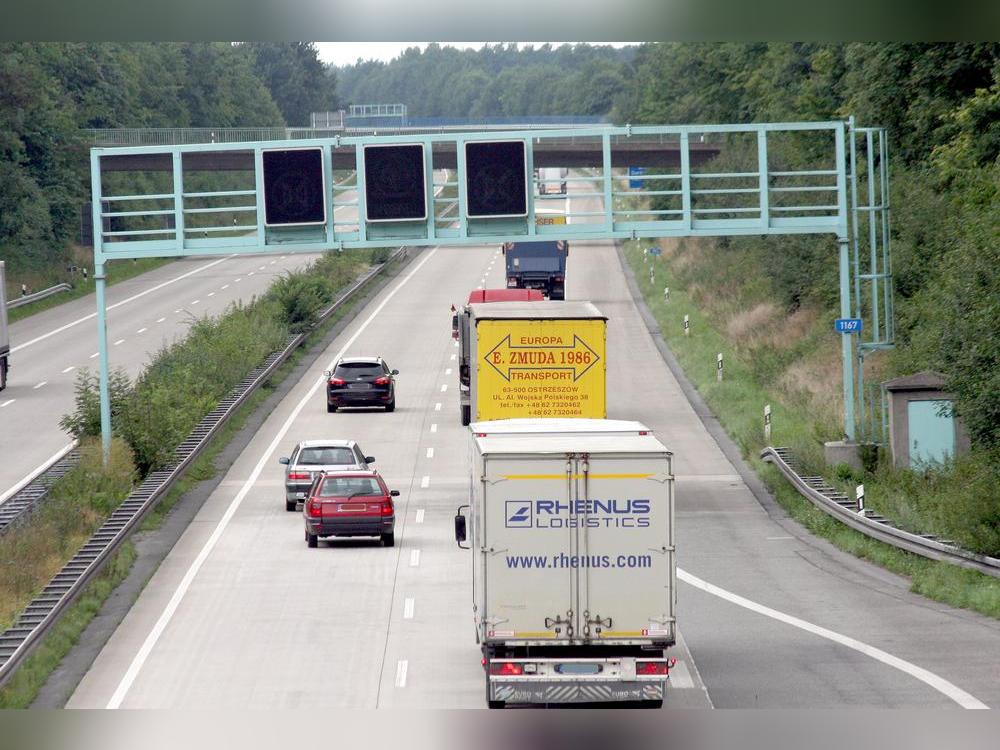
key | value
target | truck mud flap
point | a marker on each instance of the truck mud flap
(560, 692)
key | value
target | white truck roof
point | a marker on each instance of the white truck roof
(553, 436)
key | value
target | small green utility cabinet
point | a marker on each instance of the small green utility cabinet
(922, 430)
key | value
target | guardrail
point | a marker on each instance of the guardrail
(26, 497)
(29, 298)
(17, 642)
(840, 506)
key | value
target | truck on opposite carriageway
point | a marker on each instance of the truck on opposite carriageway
(571, 527)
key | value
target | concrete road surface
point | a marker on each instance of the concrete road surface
(242, 614)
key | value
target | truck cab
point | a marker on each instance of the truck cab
(537, 265)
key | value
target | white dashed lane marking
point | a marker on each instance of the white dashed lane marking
(425, 482)
(430, 453)
(196, 302)
(444, 387)
(437, 406)
(452, 357)
(95, 354)
(225, 286)
(8, 402)
(142, 330)
(119, 341)
(160, 320)
(211, 294)
(408, 609)
(420, 516)
(415, 558)
(448, 371)
(434, 427)
(69, 369)
(44, 382)
(401, 673)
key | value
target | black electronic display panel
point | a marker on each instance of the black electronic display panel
(395, 183)
(294, 187)
(496, 179)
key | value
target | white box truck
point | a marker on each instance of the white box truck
(4, 331)
(552, 180)
(571, 527)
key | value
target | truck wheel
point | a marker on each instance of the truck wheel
(466, 414)
(312, 540)
(389, 540)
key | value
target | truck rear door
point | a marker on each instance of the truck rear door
(626, 551)
(528, 545)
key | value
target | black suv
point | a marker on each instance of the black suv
(361, 381)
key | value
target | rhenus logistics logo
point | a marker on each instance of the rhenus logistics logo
(519, 514)
(631, 513)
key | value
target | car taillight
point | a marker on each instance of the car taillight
(336, 381)
(300, 476)
(315, 507)
(506, 668)
(384, 380)
(651, 667)
(387, 508)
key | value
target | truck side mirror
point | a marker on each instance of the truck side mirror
(460, 527)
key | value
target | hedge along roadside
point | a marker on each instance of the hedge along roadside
(275, 360)
(737, 402)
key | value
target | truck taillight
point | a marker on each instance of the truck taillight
(651, 667)
(387, 507)
(558, 277)
(511, 282)
(384, 380)
(336, 381)
(506, 668)
(300, 477)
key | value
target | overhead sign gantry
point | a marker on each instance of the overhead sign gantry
(474, 188)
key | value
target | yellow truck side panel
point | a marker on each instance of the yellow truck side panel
(540, 368)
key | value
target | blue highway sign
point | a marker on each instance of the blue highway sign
(848, 325)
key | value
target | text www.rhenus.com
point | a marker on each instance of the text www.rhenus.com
(579, 561)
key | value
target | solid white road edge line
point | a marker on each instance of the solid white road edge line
(118, 304)
(161, 624)
(955, 693)
(37, 470)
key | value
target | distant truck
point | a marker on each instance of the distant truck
(552, 180)
(571, 527)
(537, 265)
(531, 358)
(4, 330)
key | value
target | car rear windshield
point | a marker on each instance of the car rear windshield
(344, 486)
(359, 370)
(325, 456)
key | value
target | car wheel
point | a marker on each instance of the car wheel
(466, 414)
(330, 408)
(391, 406)
(389, 540)
(312, 540)
(290, 505)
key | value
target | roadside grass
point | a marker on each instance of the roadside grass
(738, 402)
(78, 504)
(119, 270)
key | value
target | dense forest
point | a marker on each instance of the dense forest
(49, 92)
(498, 80)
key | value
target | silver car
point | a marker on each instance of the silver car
(312, 457)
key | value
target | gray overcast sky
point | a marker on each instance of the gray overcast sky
(347, 53)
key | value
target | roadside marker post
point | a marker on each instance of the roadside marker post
(687, 326)
(859, 493)
(767, 423)
(666, 294)
(718, 367)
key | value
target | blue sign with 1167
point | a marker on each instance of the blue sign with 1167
(848, 325)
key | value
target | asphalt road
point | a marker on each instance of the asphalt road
(242, 614)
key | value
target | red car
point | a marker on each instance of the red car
(350, 504)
